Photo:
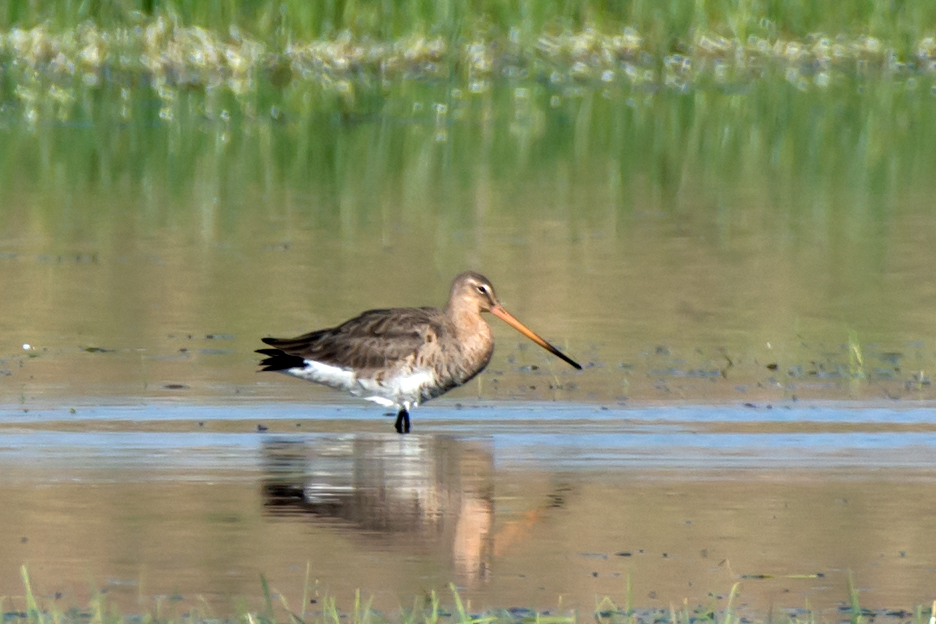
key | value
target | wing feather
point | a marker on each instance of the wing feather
(374, 339)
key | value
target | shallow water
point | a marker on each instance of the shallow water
(743, 272)
(519, 505)
(699, 246)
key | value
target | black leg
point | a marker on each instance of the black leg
(402, 424)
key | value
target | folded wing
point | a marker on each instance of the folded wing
(377, 339)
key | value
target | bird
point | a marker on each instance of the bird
(402, 357)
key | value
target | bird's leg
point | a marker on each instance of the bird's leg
(402, 424)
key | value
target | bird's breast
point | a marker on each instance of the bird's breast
(463, 352)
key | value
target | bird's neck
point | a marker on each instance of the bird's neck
(470, 326)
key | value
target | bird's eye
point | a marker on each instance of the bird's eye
(483, 290)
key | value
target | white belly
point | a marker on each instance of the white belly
(400, 390)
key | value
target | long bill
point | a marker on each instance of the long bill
(498, 311)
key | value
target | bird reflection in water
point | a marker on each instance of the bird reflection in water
(437, 490)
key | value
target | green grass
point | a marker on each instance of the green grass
(901, 21)
(274, 609)
(821, 88)
(856, 364)
(64, 60)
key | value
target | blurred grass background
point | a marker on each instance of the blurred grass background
(900, 22)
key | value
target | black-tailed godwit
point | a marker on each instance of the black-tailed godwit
(402, 357)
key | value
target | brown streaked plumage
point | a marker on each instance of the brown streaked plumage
(402, 357)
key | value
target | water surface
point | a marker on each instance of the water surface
(519, 506)
(741, 268)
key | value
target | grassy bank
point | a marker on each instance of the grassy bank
(168, 51)
(56, 73)
(345, 56)
(664, 23)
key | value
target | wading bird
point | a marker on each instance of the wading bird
(402, 357)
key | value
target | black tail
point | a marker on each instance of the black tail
(277, 360)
